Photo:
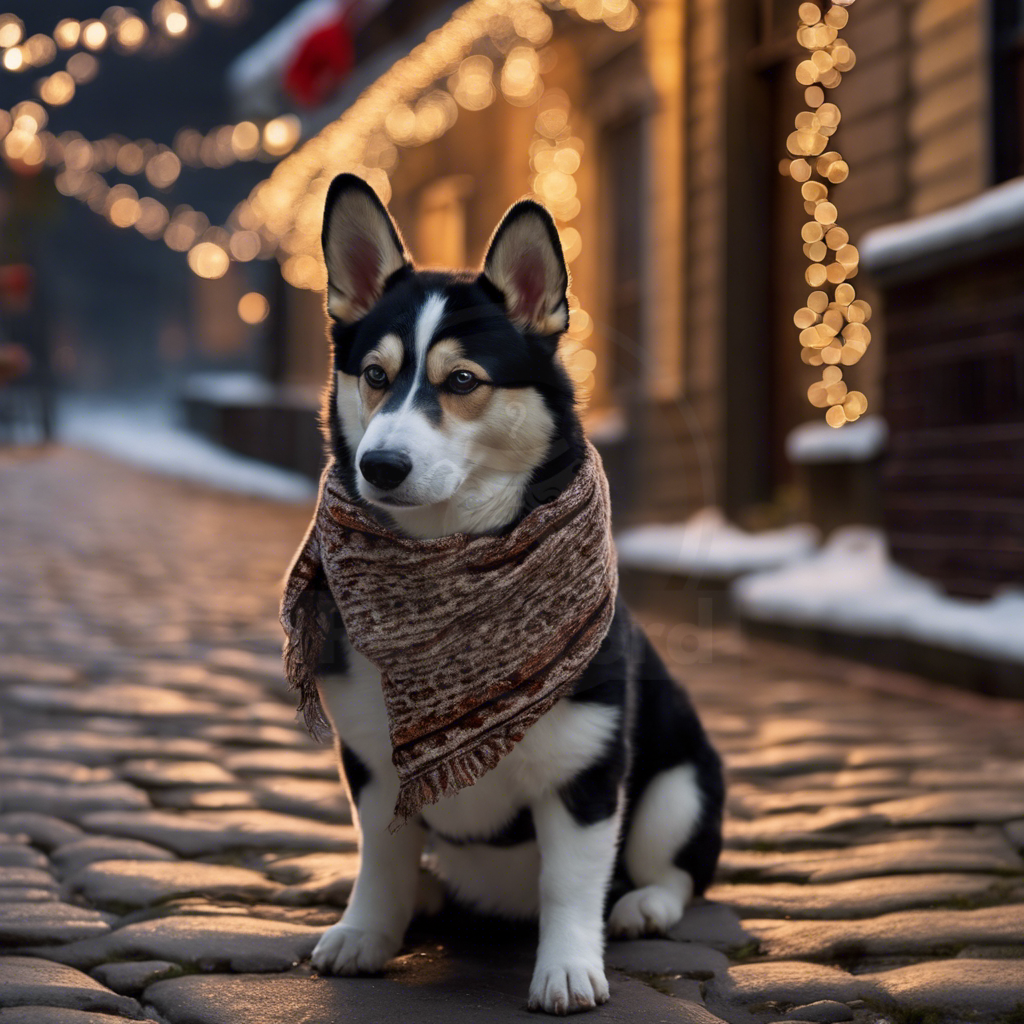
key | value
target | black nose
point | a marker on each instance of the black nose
(385, 469)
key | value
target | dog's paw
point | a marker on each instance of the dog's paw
(568, 987)
(343, 949)
(651, 910)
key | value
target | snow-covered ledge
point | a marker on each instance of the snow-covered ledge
(850, 585)
(939, 239)
(708, 545)
(814, 443)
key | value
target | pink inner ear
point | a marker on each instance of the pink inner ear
(364, 270)
(528, 283)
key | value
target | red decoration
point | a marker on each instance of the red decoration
(321, 63)
(16, 284)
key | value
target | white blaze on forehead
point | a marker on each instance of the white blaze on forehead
(427, 321)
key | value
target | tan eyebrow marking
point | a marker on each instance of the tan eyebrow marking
(446, 357)
(387, 353)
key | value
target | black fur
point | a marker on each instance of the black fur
(357, 774)
(519, 829)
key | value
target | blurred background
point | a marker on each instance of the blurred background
(161, 298)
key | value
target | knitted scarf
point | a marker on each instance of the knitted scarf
(475, 637)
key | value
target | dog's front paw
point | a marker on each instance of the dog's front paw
(343, 949)
(568, 987)
(651, 910)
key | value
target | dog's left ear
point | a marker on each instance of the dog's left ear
(362, 248)
(525, 263)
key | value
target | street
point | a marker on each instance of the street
(172, 843)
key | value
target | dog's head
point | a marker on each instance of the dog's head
(447, 389)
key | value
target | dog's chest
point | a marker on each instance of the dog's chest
(568, 739)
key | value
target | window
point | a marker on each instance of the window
(623, 146)
(1008, 89)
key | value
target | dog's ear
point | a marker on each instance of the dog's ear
(524, 262)
(362, 248)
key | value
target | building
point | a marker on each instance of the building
(671, 122)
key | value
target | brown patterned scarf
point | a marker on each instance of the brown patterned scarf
(475, 637)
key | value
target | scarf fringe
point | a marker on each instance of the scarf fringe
(447, 777)
(303, 646)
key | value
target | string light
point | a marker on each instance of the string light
(833, 329)
(123, 26)
(416, 101)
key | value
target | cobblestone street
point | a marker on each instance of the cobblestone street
(172, 843)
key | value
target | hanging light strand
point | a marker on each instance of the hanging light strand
(833, 327)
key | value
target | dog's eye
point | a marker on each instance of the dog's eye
(462, 382)
(375, 376)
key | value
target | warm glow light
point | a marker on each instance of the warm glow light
(253, 308)
(67, 33)
(29, 116)
(831, 332)
(83, 67)
(39, 50)
(58, 89)
(163, 169)
(14, 60)
(94, 35)
(281, 134)
(124, 212)
(209, 260)
(132, 33)
(245, 140)
(11, 30)
(153, 217)
(245, 246)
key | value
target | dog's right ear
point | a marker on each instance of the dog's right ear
(362, 248)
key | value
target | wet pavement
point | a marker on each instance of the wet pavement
(172, 843)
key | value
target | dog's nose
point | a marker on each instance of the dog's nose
(385, 469)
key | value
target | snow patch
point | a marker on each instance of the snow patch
(851, 585)
(812, 443)
(708, 545)
(148, 437)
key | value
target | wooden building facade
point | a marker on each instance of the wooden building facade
(691, 264)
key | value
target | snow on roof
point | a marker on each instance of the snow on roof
(995, 212)
(815, 442)
(851, 586)
(707, 544)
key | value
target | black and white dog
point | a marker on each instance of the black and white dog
(449, 412)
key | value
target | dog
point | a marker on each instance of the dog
(448, 411)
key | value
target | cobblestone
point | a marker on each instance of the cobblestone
(161, 813)
(25, 981)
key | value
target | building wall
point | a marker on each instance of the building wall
(680, 433)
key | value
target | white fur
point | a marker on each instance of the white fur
(664, 821)
(576, 868)
(565, 873)
(371, 930)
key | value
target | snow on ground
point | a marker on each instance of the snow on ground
(813, 443)
(850, 585)
(148, 436)
(709, 545)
